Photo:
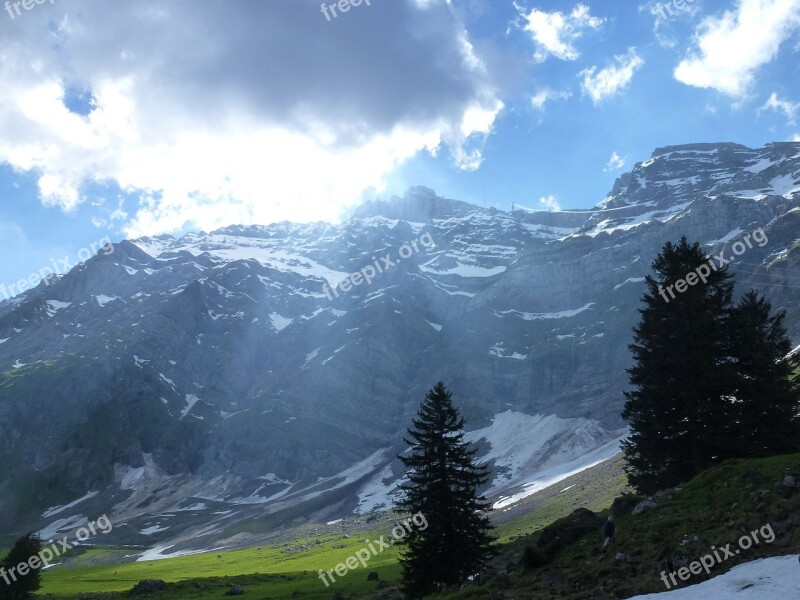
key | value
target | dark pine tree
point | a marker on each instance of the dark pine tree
(678, 408)
(25, 585)
(765, 397)
(443, 483)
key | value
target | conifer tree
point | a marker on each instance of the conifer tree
(13, 584)
(443, 483)
(766, 399)
(677, 407)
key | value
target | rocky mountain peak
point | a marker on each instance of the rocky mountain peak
(419, 204)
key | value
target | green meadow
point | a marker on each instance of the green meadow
(289, 569)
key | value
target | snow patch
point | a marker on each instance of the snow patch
(379, 493)
(436, 326)
(62, 525)
(53, 306)
(629, 280)
(310, 356)
(498, 351)
(552, 476)
(102, 299)
(153, 529)
(520, 449)
(537, 316)
(54, 510)
(463, 270)
(765, 579)
(279, 322)
(191, 400)
(157, 553)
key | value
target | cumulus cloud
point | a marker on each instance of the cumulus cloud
(789, 109)
(615, 163)
(730, 48)
(555, 33)
(549, 203)
(540, 98)
(613, 79)
(217, 113)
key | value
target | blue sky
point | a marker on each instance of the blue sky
(162, 117)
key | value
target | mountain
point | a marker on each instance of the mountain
(206, 390)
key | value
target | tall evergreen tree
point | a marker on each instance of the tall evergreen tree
(15, 586)
(677, 407)
(765, 397)
(443, 482)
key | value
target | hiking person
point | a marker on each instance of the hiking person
(609, 531)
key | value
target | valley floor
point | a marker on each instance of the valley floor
(711, 509)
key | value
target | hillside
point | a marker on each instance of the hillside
(714, 509)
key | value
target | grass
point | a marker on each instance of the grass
(715, 508)
(594, 489)
(289, 569)
(712, 509)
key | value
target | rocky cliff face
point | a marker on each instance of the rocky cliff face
(228, 374)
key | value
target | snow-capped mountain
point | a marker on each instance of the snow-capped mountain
(198, 388)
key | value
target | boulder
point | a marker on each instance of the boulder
(570, 529)
(645, 506)
(624, 505)
(562, 533)
(782, 490)
(235, 591)
(147, 586)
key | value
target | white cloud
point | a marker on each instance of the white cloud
(615, 163)
(225, 131)
(540, 98)
(549, 203)
(789, 109)
(730, 48)
(555, 33)
(613, 79)
(796, 137)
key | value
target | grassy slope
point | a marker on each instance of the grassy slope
(715, 508)
(594, 489)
